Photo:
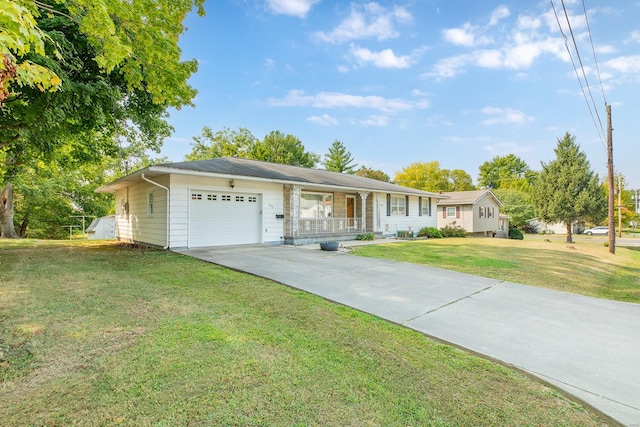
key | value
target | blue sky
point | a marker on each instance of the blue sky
(455, 81)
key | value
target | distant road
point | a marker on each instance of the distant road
(625, 241)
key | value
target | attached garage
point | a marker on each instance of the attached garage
(223, 218)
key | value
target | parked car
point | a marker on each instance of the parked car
(597, 230)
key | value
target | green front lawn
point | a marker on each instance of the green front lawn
(98, 334)
(585, 267)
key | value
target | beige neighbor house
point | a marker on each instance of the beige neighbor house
(231, 201)
(477, 211)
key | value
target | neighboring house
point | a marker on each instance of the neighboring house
(477, 211)
(228, 201)
(557, 227)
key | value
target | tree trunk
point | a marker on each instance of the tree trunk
(23, 227)
(569, 234)
(7, 229)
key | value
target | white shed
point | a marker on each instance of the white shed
(102, 228)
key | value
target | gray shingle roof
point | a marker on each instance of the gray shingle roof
(466, 197)
(247, 168)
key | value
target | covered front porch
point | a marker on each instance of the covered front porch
(318, 216)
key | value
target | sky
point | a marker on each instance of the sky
(398, 82)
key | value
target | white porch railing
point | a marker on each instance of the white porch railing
(319, 226)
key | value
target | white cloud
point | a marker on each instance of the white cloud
(298, 8)
(499, 13)
(385, 58)
(466, 36)
(628, 65)
(324, 120)
(374, 121)
(634, 37)
(297, 98)
(505, 116)
(269, 63)
(366, 21)
(606, 49)
(522, 46)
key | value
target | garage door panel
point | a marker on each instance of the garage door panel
(217, 218)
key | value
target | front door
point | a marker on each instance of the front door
(351, 211)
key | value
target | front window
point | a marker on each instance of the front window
(426, 206)
(451, 212)
(316, 205)
(398, 206)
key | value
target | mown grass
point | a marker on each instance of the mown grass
(98, 334)
(585, 267)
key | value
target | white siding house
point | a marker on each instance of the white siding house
(229, 201)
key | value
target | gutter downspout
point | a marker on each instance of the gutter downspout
(168, 202)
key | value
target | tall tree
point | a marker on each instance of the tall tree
(286, 149)
(338, 159)
(459, 180)
(503, 171)
(226, 142)
(373, 174)
(429, 177)
(116, 68)
(567, 189)
(517, 204)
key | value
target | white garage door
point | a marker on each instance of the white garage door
(217, 218)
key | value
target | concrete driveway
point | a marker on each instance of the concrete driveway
(588, 347)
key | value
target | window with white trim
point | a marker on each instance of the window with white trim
(316, 205)
(426, 206)
(481, 211)
(398, 206)
(490, 213)
(451, 211)
(150, 203)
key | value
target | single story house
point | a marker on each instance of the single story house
(230, 201)
(477, 211)
(540, 226)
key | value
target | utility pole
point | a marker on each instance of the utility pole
(610, 180)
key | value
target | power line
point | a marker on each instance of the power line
(566, 44)
(584, 8)
(584, 74)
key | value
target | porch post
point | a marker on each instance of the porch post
(377, 216)
(294, 208)
(363, 197)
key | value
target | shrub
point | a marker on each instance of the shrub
(366, 236)
(453, 230)
(515, 234)
(530, 228)
(430, 232)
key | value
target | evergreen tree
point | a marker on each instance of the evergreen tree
(338, 159)
(567, 190)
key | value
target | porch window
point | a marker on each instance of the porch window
(316, 205)
(398, 206)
